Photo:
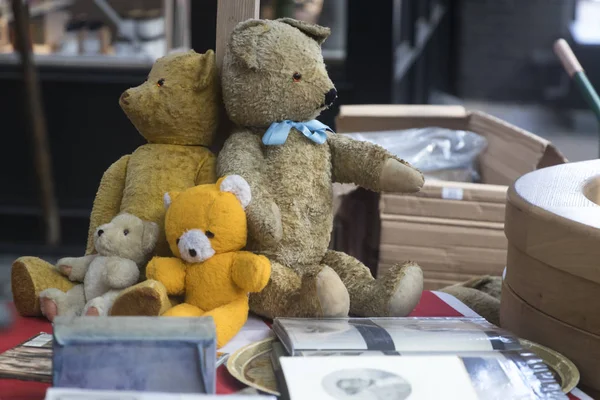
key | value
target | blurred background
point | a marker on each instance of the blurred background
(491, 55)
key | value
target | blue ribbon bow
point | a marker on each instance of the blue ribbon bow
(278, 131)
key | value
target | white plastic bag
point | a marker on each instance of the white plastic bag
(441, 154)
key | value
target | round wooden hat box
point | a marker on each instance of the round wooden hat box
(551, 290)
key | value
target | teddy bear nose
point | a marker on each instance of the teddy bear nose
(330, 97)
(192, 252)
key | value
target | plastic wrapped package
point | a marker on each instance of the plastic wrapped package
(149, 354)
(441, 154)
(511, 375)
(422, 357)
(389, 335)
(477, 376)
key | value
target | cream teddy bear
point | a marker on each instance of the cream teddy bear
(123, 246)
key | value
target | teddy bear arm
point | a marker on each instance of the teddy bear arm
(207, 170)
(107, 203)
(75, 268)
(121, 273)
(242, 155)
(170, 271)
(371, 166)
(250, 271)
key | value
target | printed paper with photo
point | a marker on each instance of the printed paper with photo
(377, 378)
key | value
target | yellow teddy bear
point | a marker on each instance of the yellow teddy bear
(206, 228)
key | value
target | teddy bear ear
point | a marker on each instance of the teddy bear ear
(207, 68)
(168, 198)
(238, 186)
(149, 236)
(316, 32)
(244, 39)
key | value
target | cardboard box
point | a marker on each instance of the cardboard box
(454, 230)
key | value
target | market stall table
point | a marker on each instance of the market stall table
(432, 304)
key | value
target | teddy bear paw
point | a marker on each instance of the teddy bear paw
(407, 291)
(333, 295)
(50, 299)
(397, 177)
(65, 270)
(49, 308)
(92, 312)
(95, 308)
(264, 223)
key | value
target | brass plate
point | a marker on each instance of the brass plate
(565, 372)
(251, 365)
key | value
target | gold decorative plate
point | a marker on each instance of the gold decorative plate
(565, 372)
(251, 365)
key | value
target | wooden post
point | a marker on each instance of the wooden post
(43, 165)
(229, 14)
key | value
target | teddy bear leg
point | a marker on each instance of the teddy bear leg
(184, 310)
(394, 294)
(148, 298)
(55, 302)
(29, 277)
(100, 306)
(318, 292)
(229, 319)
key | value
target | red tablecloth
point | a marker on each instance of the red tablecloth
(432, 304)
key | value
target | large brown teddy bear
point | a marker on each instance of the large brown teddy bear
(274, 85)
(176, 110)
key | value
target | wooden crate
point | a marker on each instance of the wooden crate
(453, 230)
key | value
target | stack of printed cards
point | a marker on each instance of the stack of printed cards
(401, 358)
(390, 336)
(29, 361)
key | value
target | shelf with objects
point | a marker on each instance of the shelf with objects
(99, 33)
(85, 53)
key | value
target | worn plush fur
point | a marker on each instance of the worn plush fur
(206, 229)
(290, 217)
(122, 247)
(482, 294)
(176, 110)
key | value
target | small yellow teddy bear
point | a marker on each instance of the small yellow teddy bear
(206, 228)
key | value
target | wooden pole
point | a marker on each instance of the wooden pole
(229, 14)
(43, 165)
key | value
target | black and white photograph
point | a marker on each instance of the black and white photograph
(366, 384)
(377, 378)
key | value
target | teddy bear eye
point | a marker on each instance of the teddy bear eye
(297, 76)
(126, 232)
(160, 82)
(177, 241)
(210, 235)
